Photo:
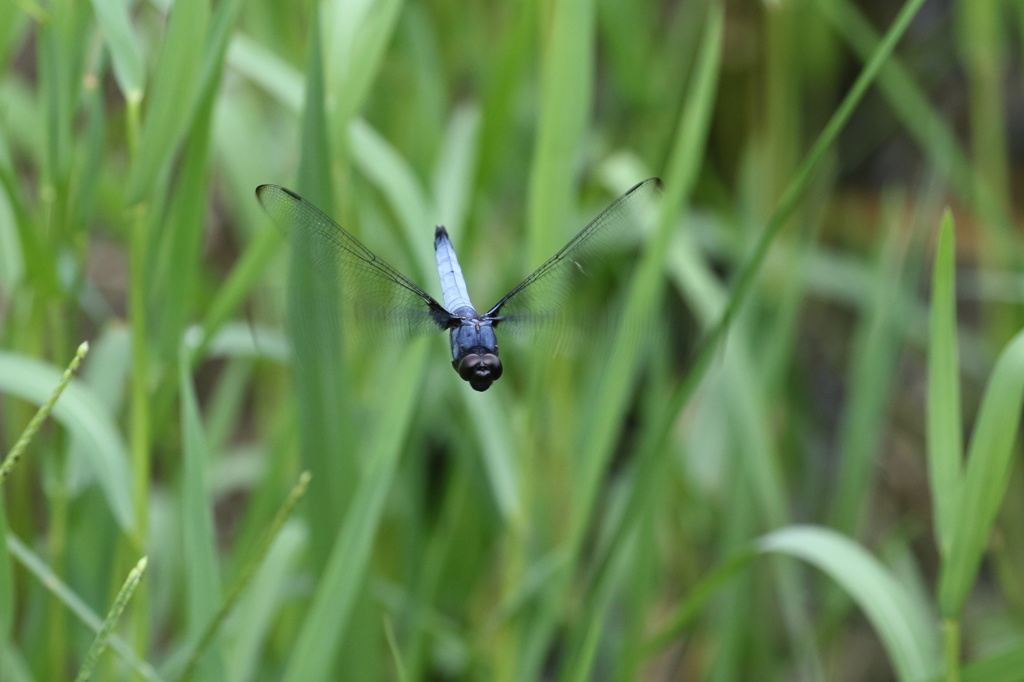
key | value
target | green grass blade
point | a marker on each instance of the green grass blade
(455, 172)
(984, 39)
(13, 18)
(710, 586)
(497, 453)
(260, 607)
(12, 258)
(396, 654)
(605, 412)
(986, 477)
(199, 542)
(175, 277)
(239, 284)
(102, 640)
(912, 105)
(783, 211)
(13, 667)
(356, 33)
(277, 77)
(904, 626)
(567, 75)
(876, 350)
(945, 439)
(125, 51)
(322, 405)
(206, 639)
(580, 667)
(761, 465)
(175, 85)
(87, 420)
(1004, 666)
(396, 180)
(805, 173)
(342, 580)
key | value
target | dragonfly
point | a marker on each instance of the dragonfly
(382, 293)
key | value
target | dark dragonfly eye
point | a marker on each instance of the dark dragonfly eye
(480, 370)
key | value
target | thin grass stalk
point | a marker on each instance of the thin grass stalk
(951, 648)
(102, 640)
(11, 460)
(396, 652)
(140, 407)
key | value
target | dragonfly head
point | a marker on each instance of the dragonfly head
(480, 370)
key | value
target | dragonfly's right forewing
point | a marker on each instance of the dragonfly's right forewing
(545, 299)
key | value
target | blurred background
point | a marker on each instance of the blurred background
(628, 511)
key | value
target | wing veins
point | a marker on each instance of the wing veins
(593, 227)
(288, 210)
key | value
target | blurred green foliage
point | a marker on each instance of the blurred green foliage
(613, 514)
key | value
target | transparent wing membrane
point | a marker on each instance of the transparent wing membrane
(542, 300)
(375, 290)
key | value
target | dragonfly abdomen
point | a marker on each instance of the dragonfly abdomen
(453, 284)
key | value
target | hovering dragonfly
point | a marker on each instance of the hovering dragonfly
(380, 290)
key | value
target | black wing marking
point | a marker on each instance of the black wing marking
(541, 296)
(375, 288)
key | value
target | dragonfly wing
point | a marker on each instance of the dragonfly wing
(376, 290)
(542, 299)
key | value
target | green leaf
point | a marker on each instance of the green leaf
(904, 626)
(987, 476)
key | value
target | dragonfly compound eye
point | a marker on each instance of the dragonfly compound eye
(480, 370)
